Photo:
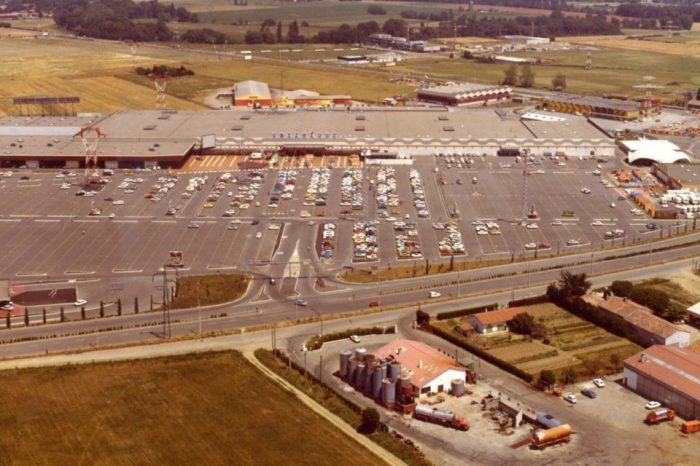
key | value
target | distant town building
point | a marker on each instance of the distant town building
(668, 375)
(528, 40)
(640, 319)
(386, 40)
(464, 94)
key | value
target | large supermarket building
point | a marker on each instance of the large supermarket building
(166, 138)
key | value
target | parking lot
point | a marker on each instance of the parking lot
(380, 214)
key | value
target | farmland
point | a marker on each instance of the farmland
(571, 342)
(211, 408)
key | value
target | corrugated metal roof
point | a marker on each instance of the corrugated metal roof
(676, 368)
(39, 130)
(423, 362)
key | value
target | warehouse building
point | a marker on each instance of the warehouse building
(598, 107)
(166, 138)
(678, 175)
(650, 328)
(668, 375)
(464, 94)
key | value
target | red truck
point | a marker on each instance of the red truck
(660, 415)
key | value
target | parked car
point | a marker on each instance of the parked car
(589, 393)
(354, 338)
(80, 302)
(571, 398)
(600, 383)
(193, 225)
(301, 302)
(434, 294)
(652, 405)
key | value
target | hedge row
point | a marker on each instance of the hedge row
(317, 341)
(465, 312)
(481, 353)
(530, 301)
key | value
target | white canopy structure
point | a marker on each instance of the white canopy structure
(653, 150)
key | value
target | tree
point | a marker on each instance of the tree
(559, 82)
(616, 361)
(82, 312)
(621, 288)
(8, 323)
(43, 315)
(510, 76)
(467, 55)
(370, 420)
(527, 76)
(136, 305)
(376, 10)
(62, 315)
(279, 31)
(395, 27)
(119, 306)
(522, 323)
(102, 309)
(547, 378)
(568, 376)
(26, 317)
(573, 285)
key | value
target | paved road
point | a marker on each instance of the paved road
(148, 327)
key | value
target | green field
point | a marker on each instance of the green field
(571, 342)
(214, 408)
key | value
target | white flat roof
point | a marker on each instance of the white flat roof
(658, 150)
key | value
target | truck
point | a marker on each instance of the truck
(660, 415)
(445, 418)
(688, 427)
(542, 438)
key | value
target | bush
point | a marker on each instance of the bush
(376, 10)
(422, 317)
(529, 301)
(466, 312)
(621, 288)
(370, 421)
(4, 24)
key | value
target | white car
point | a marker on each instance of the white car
(652, 405)
(571, 398)
(532, 226)
(585, 191)
(80, 302)
(557, 223)
(530, 246)
(612, 204)
(354, 338)
(8, 306)
(258, 235)
(600, 383)
(434, 294)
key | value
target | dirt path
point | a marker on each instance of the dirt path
(323, 412)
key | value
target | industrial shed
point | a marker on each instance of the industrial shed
(640, 319)
(430, 370)
(251, 94)
(464, 94)
(668, 375)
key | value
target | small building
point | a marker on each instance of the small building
(694, 104)
(251, 94)
(352, 59)
(306, 98)
(430, 370)
(648, 327)
(494, 321)
(694, 315)
(464, 94)
(528, 40)
(668, 375)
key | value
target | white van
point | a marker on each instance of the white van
(256, 155)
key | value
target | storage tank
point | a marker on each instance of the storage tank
(394, 371)
(369, 372)
(457, 387)
(547, 420)
(344, 357)
(542, 438)
(350, 373)
(360, 354)
(388, 392)
(360, 376)
(377, 376)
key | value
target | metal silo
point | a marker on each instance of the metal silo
(394, 370)
(344, 357)
(360, 376)
(377, 376)
(457, 387)
(388, 392)
(351, 369)
(369, 372)
(360, 354)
